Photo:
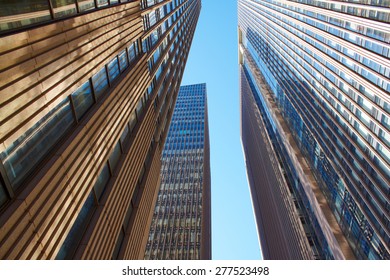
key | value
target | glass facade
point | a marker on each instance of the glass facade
(326, 66)
(176, 230)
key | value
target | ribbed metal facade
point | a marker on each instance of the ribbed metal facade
(319, 72)
(86, 99)
(181, 227)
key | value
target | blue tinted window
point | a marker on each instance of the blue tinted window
(113, 69)
(123, 63)
(99, 82)
(82, 99)
(23, 155)
(132, 52)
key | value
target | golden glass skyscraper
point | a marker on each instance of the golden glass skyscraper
(315, 115)
(87, 90)
(181, 224)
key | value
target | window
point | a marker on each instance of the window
(99, 82)
(63, 8)
(139, 108)
(113, 69)
(115, 156)
(76, 233)
(133, 121)
(101, 182)
(23, 155)
(24, 14)
(125, 135)
(133, 51)
(82, 99)
(85, 5)
(102, 3)
(123, 63)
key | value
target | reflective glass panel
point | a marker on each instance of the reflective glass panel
(14, 14)
(82, 99)
(63, 8)
(113, 69)
(100, 82)
(23, 155)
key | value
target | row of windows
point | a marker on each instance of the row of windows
(16, 15)
(278, 71)
(345, 141)
(20, 158)
(292, 62)
(109, 169)
(340, 131)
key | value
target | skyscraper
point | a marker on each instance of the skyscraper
(315, 113)
(86, 96)
(181, 226)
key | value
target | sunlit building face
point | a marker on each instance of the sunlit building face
(319, 74)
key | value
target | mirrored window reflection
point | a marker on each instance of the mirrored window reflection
(113, 69)
(100, 82)
(132, 52)
(63, 8)
(82, 99)
(85, 5)
(123, 63)
(102, 3)
(13, 14)
(35, 143)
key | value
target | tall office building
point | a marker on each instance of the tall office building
(181, 228)
(315, 108)
(87, 90)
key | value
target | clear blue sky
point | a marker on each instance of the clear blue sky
(213, 60)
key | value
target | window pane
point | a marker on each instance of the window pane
(113, 69)
(131, 51)
(22, 156)
(82, 99)
(102, 3)
(85, 5)
(115, 156)
(123, 60)
(15, 14)
(101, 182)
(139, 108)
(133, 121)
(63, 7)
(99, 82)
(125, 135)
(76, 233)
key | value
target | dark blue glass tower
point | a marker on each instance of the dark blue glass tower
(181, 227)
